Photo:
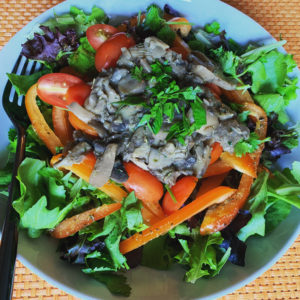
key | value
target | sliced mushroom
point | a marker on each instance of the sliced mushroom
(74, 156)
(200, 58)
(104, 166)
(208, 76)
(155, 46)
(81, 113)
(87, 117)
(203, 158)
(130, 86)
(211, 124)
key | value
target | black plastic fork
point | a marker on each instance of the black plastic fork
(15, 109)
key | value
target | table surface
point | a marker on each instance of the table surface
(280, 18)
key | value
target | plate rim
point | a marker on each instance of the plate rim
(223, 292)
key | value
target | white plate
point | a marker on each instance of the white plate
(40, 255)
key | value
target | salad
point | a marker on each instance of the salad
(152, 143)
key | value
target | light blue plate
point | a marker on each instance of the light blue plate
(40, 255)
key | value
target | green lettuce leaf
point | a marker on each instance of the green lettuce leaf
(276, 213)
(77, 19)
(203, 257)
(116, 283)
(83, 59)
(156, 254)
(268, 72)
(271, 200)
(47, 196)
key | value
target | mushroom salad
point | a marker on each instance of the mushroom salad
(152, 143)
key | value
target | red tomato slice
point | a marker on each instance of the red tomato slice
(110, 51)
(146, 186)
(99, 33)
(78, 93)
(181, 190)
(52, 88)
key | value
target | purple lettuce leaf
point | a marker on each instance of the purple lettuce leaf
(46, 47)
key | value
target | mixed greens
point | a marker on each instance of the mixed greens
(49, 195)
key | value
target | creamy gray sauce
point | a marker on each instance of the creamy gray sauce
(167, 160)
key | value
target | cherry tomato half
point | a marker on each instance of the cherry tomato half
(52, 88)
(110, 51)
(97, 34)
(78, 93)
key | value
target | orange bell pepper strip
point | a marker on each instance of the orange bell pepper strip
(61, 125)
(123, 27)
(84, 171)
(217, 168)
(149, 217)
(181, 190)
(216, 152)
(210, 183)
(238, 96)
(72, 225)
(249, 162)
(260, 117)
(244, 164)
(139, 239)
(38, 122)
(181, 47)
(216, 90)
(219, 216)
(80, 125)
(146, 187)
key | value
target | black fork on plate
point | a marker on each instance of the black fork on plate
(14, 107)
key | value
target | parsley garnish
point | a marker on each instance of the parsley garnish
(171, 193)
(214, 28)
(165, 98)
(248, 146)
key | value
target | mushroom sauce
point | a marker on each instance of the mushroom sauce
(120, 135)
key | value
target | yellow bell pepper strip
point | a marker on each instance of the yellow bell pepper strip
(84, 171)
(38, 122)
(72, 225)
(139, 239)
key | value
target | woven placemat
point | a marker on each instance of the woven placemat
(279, 17)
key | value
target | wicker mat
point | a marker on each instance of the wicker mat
(279, 18)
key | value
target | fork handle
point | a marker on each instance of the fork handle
(9, 240)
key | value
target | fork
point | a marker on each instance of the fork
(14, 107)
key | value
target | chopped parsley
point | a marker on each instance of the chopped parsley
(213, 27)
(164, 99)
(248, 146)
